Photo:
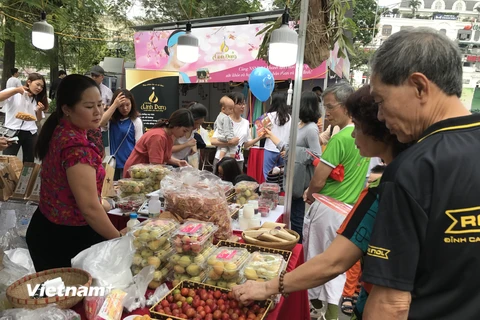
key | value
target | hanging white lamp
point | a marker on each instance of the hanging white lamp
(283, 47)
(187, 46)
(42, 34)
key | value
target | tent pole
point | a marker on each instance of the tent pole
(297, 94)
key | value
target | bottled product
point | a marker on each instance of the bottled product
(154, 206)
(132, 222)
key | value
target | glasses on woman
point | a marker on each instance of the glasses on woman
(331, 107)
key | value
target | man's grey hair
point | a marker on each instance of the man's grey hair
(422, 50)
(341, 91)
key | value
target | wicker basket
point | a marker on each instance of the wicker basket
(17, 292)
(267, 304)
(276, 245)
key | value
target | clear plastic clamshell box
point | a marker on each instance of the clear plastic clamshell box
(269, 188)
(225, 265)
(129, 185)
(263, 266)
(131, 202)
(153, 233)
(192, 237)
(154, 171)
(187, 267)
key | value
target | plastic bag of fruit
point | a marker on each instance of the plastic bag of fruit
(246, 190)
(200, 195)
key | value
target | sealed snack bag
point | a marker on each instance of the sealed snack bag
(112, 307)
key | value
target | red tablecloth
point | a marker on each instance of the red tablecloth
(255, 164)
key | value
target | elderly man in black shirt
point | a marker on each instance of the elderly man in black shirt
(424, 253)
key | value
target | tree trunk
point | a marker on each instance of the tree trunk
(8, 51)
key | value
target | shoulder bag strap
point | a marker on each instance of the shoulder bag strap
(125, 137)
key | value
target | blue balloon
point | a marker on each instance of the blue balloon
(261, 83)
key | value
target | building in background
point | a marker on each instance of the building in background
(457, 19)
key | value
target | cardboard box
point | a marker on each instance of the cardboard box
(35, 195)
(8, 181)
(26, 181)
(15, 162)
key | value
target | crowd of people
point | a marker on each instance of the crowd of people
(411, 232)
(414, 229)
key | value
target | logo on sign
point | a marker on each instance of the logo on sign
(152, 105)
(224, 53)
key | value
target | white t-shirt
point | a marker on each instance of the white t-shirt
(107, 94)
(13, 82)
(281, 132)
(242, 131)
(19, 103)
(182, 154)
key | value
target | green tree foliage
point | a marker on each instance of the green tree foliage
(364, 17)
(361, 58)
(414, 4)
(168, 10)
(81, 33)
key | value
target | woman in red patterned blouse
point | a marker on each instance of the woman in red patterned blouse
(70, 216)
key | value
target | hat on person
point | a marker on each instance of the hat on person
(97, 70)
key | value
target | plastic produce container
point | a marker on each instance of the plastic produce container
(263, 266)
(131, 185)
(188, 267)
(225, 266)
(192, 237)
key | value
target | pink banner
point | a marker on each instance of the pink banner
(226, 54)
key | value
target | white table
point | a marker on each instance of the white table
(272, 217)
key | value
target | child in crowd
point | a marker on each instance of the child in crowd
(224, 126)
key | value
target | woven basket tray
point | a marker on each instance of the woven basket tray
(276, 245)
(195, 285)
(17, 292)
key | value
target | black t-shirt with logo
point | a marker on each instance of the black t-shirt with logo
(426, 238)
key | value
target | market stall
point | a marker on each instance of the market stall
(199, 213)
(296, 306)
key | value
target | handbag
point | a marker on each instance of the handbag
(8, 133)
(110, 160)
(276, 178)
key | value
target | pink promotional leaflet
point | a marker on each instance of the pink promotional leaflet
(226, 54)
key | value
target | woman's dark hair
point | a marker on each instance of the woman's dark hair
(243, 177)
(198, 110)
(237, 97)
(180, 118)
(133, 111)
(69, 93)
(378, 169)
(279, 105)
(230, 169)
(309, 108)
(362, 108)
(42, 96)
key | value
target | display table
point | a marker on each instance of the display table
(255, 164)
(296, 306)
